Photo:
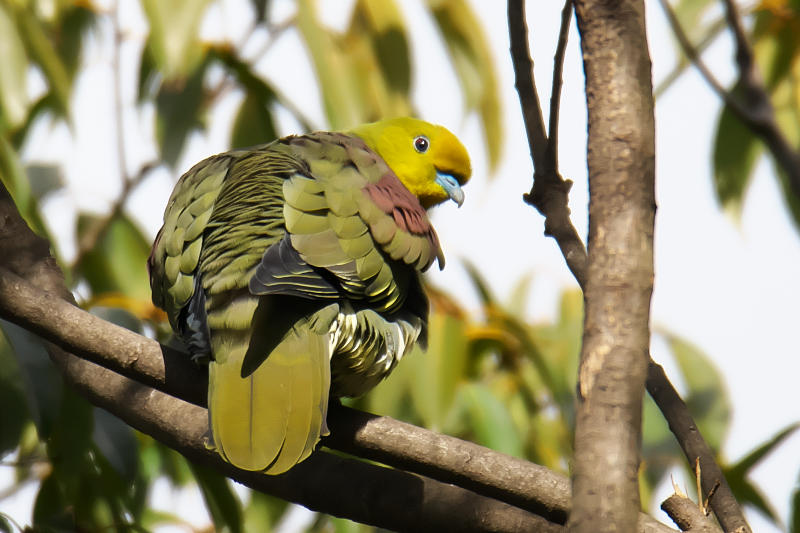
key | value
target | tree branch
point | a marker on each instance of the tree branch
(619, 282)
(687, 515)
(658, 385)
(755, 110)
(343, 487)
(450, 460)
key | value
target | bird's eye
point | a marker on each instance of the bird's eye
(421, 144)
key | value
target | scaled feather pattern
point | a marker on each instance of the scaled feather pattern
(293, 270)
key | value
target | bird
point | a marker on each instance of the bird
(293, 269)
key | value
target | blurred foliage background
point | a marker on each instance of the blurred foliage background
(491, 377)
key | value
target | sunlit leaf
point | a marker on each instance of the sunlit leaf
(40, 50)
(117, 262)
(331, 67)
(491, 421)
(117, 442)
(736, 151)
(14, 101)
(263, 512)
(180, 106)
(471, 55)
(690, 15)
(174, 26)
(222, 503)
(707, 398)
(43, 384)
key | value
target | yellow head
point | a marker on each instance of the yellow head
(429, 160)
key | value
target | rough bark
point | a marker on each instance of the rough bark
(687, 515)
(621, 161)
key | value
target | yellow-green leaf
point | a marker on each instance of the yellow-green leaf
(471, 55)
(174, 26)
(14, 101)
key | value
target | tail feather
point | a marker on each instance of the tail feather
(272, 419)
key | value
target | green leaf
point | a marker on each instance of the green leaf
(75, 22)
(50, 511)
(331, 66)
(222, 503)
(472, 58)
(440, 371)
(263, 512)
(794, 512)
(736, 151)
(120, 317)
(789, 196)
(40, 50)
(5, 524)
(707, 397)
(117, 262)
(117, 442)
(15, 180)
(491, 421)
(180, 106)
(43, 384)
(744, 465)
(254, 124)
(71, 440)
(14, 101)
(174, 26)
(690, 15)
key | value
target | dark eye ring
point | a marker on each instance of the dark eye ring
(421, 144)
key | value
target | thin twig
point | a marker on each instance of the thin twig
(555, 93)
(525, 83)
(755, 111)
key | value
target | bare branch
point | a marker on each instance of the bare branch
(525, 83)
(555, 93)
(682, 424)
(451, 460)
(687, 515)
(619, 282)
(755, 110)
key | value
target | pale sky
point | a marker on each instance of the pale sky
(730, 287)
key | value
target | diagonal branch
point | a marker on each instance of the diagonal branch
(658, 385)
(754, 109)
(394, 443)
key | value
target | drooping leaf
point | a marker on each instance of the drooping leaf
(180, 106)
(707, 398)
(14, 102)
(254, 122)
(222, 503)
(331, 67)
(736, 151)
(471, 56)
(43, 383)
(117, 442)
(74, 23)
(117, 262)
(263, 512)
(490, 420)
(40, 49)
(174, 42)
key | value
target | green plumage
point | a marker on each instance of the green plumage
(293, 268)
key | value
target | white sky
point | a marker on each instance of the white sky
(729, 287)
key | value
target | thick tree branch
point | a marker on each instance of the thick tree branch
(619, 282)
(754, 108)
(658, 385)
(343, 487)
(378, 438)
(549, 193)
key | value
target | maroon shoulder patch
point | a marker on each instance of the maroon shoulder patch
(393, 198)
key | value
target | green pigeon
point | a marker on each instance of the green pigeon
(293, 269)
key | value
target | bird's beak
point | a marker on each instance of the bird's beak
(451, 187)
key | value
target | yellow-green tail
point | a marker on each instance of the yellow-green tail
(272, 419)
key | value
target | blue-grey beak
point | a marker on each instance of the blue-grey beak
(451, 187)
